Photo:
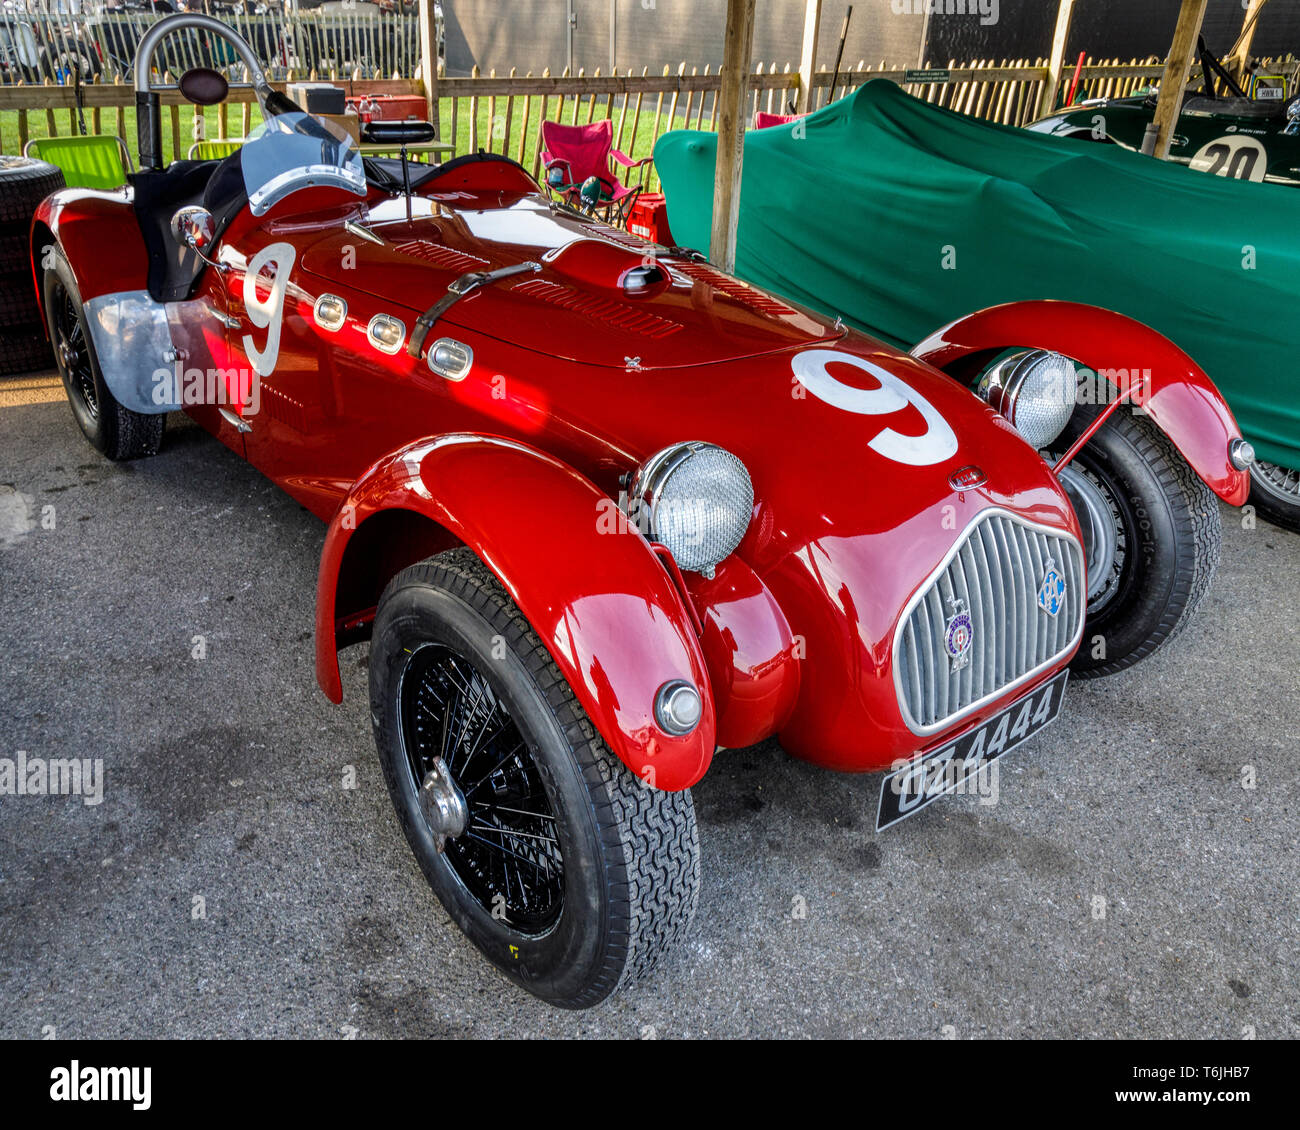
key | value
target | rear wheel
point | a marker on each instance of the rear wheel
(1275, 493)
(567, 872)
(113, 429)
(1151, 537)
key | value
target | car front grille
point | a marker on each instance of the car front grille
(996, 571)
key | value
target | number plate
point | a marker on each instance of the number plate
(911, 788)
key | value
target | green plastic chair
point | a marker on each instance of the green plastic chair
(97, 161)
(214, 149)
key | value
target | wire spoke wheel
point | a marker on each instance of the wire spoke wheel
(1281, 482)
(71, 352)
(567, 871)
(1105, 540)
(505, 849)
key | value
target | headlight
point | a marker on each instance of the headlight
(1035, 390)
(694, 498)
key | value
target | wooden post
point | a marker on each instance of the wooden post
(1056, 65)
(1177, 68)
(429, 60)
(736, 50)
(812, 19)
(1239, 60)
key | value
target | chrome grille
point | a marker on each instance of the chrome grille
(996, 570)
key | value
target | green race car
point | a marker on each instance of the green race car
(1224, 132)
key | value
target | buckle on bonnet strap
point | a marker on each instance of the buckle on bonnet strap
(460, 287)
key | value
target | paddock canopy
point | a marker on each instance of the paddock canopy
(901, 216)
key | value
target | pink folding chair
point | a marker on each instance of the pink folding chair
(764, 120)
(577, 160)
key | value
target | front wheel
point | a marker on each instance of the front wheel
(1151, 532)
(1275, 493)
(569, 873)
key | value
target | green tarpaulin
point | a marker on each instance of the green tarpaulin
(901, 216)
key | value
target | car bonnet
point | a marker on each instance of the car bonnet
(583, 304)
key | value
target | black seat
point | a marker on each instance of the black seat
(398, 133)
(217, 185)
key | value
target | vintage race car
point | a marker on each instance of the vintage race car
(1222, 131)
(602, 510)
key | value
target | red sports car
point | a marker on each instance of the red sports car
(603, 511)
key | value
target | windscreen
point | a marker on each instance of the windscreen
(292, 151)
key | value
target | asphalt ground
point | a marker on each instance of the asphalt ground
(1126, 882)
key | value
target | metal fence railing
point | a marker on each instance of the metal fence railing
(359, 41)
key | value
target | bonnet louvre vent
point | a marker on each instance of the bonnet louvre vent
(439, 256)
(615, 314)
(732, 288)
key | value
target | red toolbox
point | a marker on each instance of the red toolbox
(389, 107)
(649, 219)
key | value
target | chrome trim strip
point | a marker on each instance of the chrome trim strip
(1020, 560)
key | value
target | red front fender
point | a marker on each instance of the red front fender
(100, 236)
(593, 590)
(1180, 399)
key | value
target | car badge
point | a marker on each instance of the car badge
(967, 477)
(1051, 595)
(958, 635)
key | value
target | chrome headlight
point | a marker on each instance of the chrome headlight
(1035, 390)
(694, 498)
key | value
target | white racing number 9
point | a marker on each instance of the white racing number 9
(936, 444)
(268, 313)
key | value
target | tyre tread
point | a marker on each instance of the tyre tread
(1197, 541)
(649, 836)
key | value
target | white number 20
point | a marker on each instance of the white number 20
(936, 444)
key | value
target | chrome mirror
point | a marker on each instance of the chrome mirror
(194, 227)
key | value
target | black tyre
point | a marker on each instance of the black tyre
(24, 350)
(1151, 535)
(16, 250)
(569, 874)
(24, 183)
(114, 430)
(18, 305)
(1275, 493)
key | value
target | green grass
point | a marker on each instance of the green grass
(38, 126)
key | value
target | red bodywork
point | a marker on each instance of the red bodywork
(574, 382)
(1180, 399)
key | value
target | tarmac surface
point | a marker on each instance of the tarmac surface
(1126, 882)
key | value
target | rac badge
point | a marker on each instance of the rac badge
(1051, 596)
(958, 636)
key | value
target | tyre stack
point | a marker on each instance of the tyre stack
(24, 183)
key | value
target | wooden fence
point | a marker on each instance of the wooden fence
(503, 114)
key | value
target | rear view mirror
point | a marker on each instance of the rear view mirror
(194, 227)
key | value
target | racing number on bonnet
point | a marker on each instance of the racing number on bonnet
(1239, 158)
(267, 313)
(937, 443)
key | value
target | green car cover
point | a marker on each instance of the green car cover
(902, 217)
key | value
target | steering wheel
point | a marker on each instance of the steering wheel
(201, 86)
